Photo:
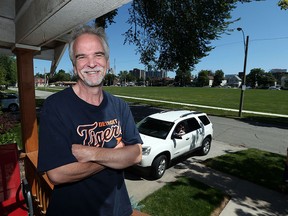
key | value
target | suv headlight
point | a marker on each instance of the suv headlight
(146, 150)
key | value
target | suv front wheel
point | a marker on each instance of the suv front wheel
(13, 107)
(159, 166)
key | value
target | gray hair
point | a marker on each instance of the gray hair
(99, 32)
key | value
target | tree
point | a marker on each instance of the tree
(203, 78)
(285, 82)
(106, 19)
(61, 75)
(283, 4)
(218, 77)
(267, 80)
(258, 77)
(123, 77)
(8, 70)
(109, 79)
(255, 76)
(39, 75)
(175, 35)
(183, 77)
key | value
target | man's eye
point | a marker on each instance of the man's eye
(99, 55)
(79, 57)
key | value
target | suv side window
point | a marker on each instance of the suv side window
(182, 128)
(193, 124)
(204, 119)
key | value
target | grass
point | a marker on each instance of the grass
(260, 167)
(255, 99)
(186, 195)
(183, 197)
(258, 100)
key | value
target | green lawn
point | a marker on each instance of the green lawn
(261, 167)
(186, 195)
(260, 100)
(181, 198)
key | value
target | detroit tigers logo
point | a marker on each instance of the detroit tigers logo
(99, 133)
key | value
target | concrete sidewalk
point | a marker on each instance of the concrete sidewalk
(246, 197)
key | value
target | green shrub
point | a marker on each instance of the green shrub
(7, 124)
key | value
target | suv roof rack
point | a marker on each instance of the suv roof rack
(163, 111)
(190, 113)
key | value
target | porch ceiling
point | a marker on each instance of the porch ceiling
(45, 25)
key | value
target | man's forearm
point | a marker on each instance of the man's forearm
(119, 158)
(73, 172)
(116, 158)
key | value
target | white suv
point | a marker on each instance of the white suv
(170, 134)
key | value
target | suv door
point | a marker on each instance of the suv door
(191, 139)
(181, 139)
(196, 131)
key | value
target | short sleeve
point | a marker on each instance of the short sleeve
(54, 140)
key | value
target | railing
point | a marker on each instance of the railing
(41, 187)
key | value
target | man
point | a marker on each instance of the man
(87, 137)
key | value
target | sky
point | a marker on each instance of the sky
(264, 22)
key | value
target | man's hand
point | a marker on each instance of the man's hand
(120, 145)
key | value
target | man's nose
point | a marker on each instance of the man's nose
(92, 61)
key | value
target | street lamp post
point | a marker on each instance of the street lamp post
(243, 87)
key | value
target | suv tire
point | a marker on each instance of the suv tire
(158, 167)
(206, 145)
(13, 107)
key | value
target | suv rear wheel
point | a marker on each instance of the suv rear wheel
(159, 166)
(206, 145)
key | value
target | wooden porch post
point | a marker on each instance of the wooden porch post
(26, 88)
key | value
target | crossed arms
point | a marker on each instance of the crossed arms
(92, 160)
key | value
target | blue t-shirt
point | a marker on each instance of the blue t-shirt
(66, 119)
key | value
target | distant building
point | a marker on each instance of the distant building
(233, 80)
(278, 71)
(150, 74)
(156, 74)
(278, 74)
(211, 80)
(138, 73)
(39, 82)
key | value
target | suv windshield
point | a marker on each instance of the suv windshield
(154, 127)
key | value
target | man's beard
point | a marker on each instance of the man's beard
(89, 83)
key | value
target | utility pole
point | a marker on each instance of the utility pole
(243, 87)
